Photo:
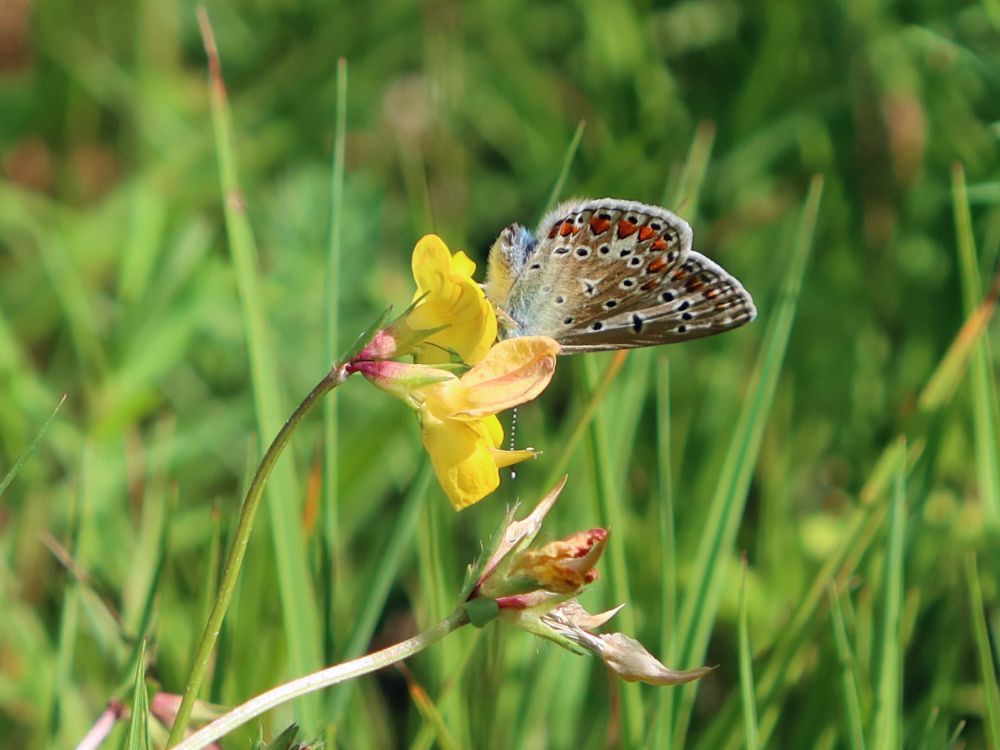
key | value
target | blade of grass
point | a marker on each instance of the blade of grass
(987, 669)
(435, 557)
(150, 548)
(927, 736)
(946, 378)
(433, 720)
(377, 590)
(427, 735)
(582, 423)
(746, 671)
(65, 649)
(24, 383)
(683, 199)
(848, 676)
(331, 442)
(68, 286)
(627, 408)
(298, 601)
(888, 730)
(984, 395)
(568, 157)
(143, 246)
(12, 471)
(667, 538)
(953, 739)
(726, 509)
(209, 592)
(940, 386)
(69, 616)
(610, 512)
(152, 551)
(138, 723)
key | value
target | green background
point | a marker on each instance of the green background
(118, 288)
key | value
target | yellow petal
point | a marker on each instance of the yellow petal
(449, 297)
(463, 265)
(512, 372)
(431, 264)
(462, 459)
(509, 458)
(490, 429)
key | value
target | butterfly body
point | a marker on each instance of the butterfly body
(610, 274)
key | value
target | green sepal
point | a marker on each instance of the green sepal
(282, 741)
(482, 611)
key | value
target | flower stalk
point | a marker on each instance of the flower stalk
(234, 561)
(322, 679)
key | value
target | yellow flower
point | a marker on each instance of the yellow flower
(448, 297)
(458, 424)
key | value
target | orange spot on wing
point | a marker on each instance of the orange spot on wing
(566, 229)
(626, 229)
(678, 275)
(657, 265)
(554, 231)
(645, 233)
(599, 225)
(649, 284)
(659, 246)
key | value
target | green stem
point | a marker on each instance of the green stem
(322, 679)
(234, 561)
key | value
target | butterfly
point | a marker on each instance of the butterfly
(606, 273)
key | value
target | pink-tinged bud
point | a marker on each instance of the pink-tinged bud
(384, 345)
(404, 381)
(395, 340)
(383, 372)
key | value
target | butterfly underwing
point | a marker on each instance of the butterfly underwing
(606, 273)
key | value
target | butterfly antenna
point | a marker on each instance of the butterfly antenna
(513, 431)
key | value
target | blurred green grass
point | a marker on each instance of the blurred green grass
(117, 288)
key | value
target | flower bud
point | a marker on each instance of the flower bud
(533, 589)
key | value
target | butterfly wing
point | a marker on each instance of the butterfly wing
(698, 298)
(614, 274)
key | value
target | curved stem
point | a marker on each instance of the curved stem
(324, 678)
(234, 561)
